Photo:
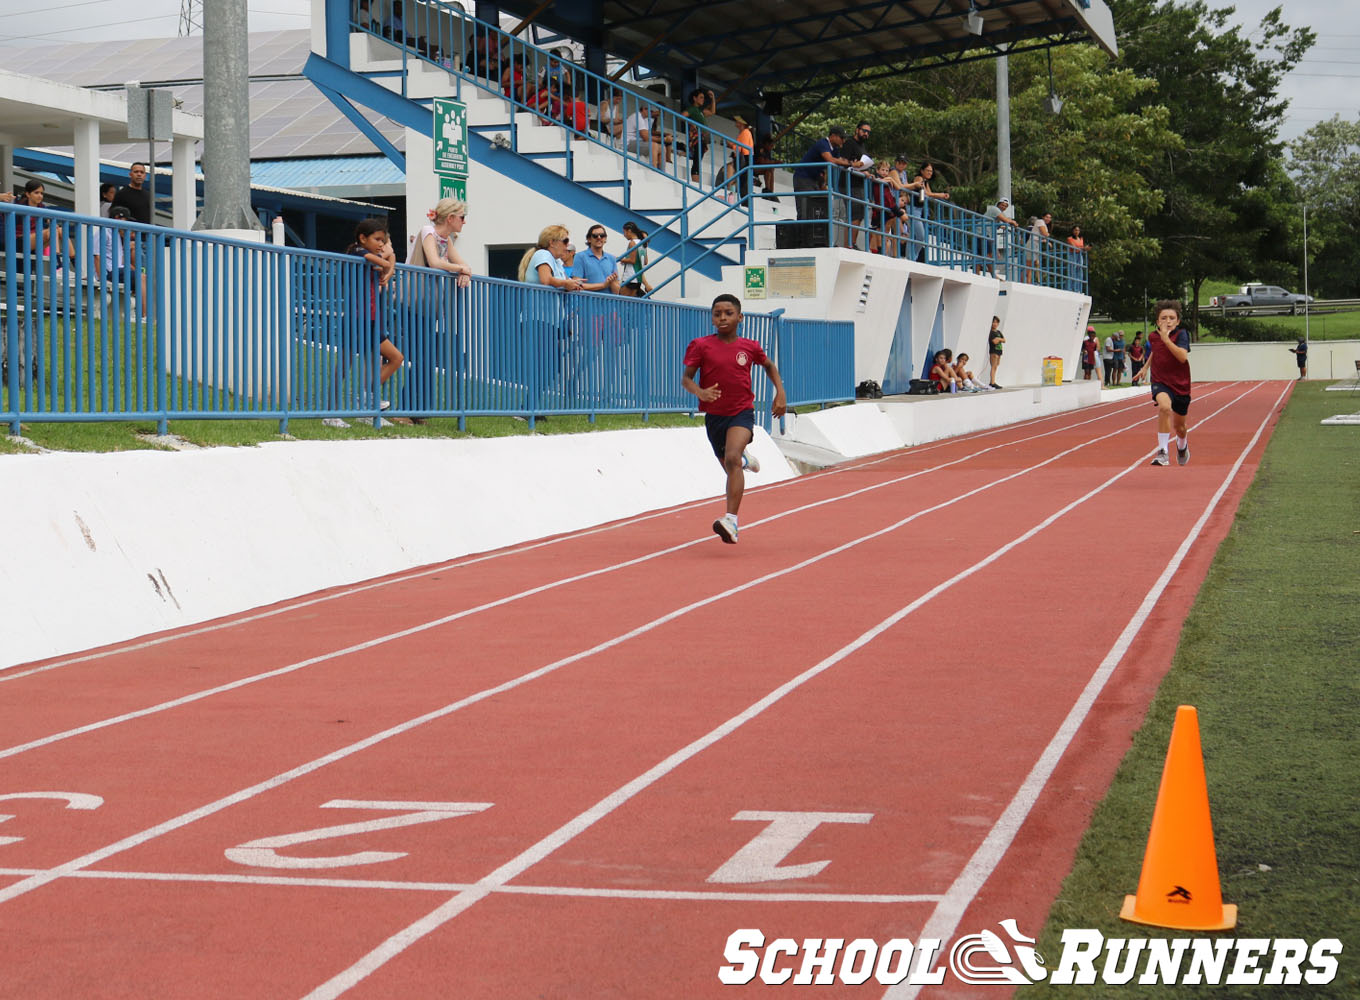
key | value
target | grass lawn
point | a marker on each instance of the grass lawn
(1268, 657)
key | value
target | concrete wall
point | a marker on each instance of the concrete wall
(1327, 359)
(103, 548)
(887, 298)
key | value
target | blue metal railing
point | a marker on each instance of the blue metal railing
(118, 321)
(868, 214)
(536, 81)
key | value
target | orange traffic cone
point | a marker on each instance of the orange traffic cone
(1179, 885)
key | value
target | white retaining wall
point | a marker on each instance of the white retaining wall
(103, 548)
(1327, 359)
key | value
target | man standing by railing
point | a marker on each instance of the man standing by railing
(810, 177)
(597, 267)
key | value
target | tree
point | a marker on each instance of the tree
(1222, 213)
(1088, 165)
(1325, 164)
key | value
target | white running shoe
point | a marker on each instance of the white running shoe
(1160, 457)
(1183, 454)
(749, 461)
(385, 404)
(726, 529)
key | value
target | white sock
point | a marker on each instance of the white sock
(1181, 443)
(1162, 441)
(732, 518)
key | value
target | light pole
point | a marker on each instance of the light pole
(1305, 273)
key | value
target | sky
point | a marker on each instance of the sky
(1327, 82)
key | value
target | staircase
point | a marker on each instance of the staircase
(694, 227)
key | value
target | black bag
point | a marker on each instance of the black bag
(922, 387)
(868, 389)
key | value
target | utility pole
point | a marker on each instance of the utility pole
(226, 113)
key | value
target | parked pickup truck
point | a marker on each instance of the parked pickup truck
(1249, 296)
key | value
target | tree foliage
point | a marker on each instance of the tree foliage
(1325, 164)
(1168, 157)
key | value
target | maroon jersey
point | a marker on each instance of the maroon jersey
(1166, 370)
(726, 364)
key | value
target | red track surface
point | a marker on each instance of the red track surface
(899, 640)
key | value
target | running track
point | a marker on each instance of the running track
(574, 767)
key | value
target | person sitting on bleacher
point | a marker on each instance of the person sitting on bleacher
(942, 373)
(965, 377)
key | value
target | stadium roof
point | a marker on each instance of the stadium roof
(288, 115)
(789, 45)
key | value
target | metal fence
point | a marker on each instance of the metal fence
(108, 320)
(643, 131)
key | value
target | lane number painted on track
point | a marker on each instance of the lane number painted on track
(73, 800)
(759, 860)
(263, 853)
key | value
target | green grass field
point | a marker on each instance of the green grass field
(1269, 658)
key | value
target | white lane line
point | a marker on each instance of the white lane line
(432, 921)
(509, 599)
(569, 891)
(134, 840)
(958, 897)
(13, 673)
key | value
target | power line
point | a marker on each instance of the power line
(87, 27)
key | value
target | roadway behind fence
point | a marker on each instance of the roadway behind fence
(106, 320)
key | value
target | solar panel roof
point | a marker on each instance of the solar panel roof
(289, 116)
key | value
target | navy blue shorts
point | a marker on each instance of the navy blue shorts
(717, 428)
(1179, 404)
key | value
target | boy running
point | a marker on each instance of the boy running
(1169, 368)
(726, 399)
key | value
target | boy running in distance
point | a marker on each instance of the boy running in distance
(726, 399)
(1168, 371)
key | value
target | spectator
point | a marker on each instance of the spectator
(1300, 352)
(1038, 232)
(611, 116)
(557, 74)
(574, 111)
(996, 341)
(596, 268)
(765, 158)
(484, 54)
(920, 193)
(888, 216)
(542, 263)
(364, 17)
(702, 106)
(1117, 367)
(134, 196)
(107, 192)
(994, 245)
(640, 138)
(810, 175)
(434, 245)
(111, 255)
(1137, 355)
(1076, 240)
(635, 258)
(1107, 359)
(965, 377)
(1090, 347)
(942, 373)
(39, 230)
(395, 26)
(742, 150)
(371, 244)
(852, 150)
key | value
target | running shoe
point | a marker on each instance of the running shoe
(1183, 454)
(385, 404)
(1160, 458)
(726, 529)
(749, 461)
(995, 386)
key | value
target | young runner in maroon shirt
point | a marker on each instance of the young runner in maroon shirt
(1168, 371)
(726, 399)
